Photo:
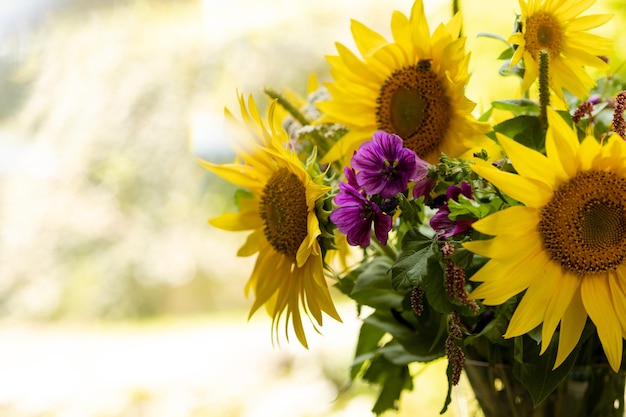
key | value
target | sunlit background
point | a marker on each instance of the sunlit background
(116, 296)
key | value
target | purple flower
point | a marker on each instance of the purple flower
(454, 191)
(385, 167)
(355, 214)
(423, 183)
(441, 221)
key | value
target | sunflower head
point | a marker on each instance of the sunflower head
(280, 211)
(411, 86)
(564, 247)
(555, 27)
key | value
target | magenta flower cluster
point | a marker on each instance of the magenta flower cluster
(381, 168)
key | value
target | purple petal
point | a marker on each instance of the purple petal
(348, 195)
(466, 190)
(440, 222)
(351, 177)
(382, 226)
(389, 144)
(368, 157)
(454, 191)
(352, 223)
(423, 187)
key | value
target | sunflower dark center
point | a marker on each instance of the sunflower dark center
(543, 33)
(413, 105)
(284, 211)
(584, 225)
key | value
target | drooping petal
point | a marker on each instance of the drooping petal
(565, 289)
(268, 167)
(572, 325)
(597, 299)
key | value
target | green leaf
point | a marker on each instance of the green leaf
(397, 354)
(241, 194)
(373, 286)
(506, 70)
(433, 283)
(493, 330)
(393, 379)
(345, 284)
(486, 115)
(410, 268)
(412, 211)
(467, 208)
(367, 346)
(448, 399)
(412, 262)
(535, 370)
(420, 337)
(506, 54)
(518, 106)
(525, 130)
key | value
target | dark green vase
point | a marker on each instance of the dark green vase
(589, 391)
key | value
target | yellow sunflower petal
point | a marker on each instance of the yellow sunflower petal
(517, 39)
(503, 246)
(420, 30)
(252, 244)
(521, 272)
(583, 23)
(320, 299)
(598, 301)
(245, 176)
(566, 287)
(234, 222)
(542, 281)
(509, 221)
(572, 325)
(531, 72)
(589, 150)
(310, 245)
(561, 145)
(344, 148)
(572, 78)
(265, 278)
(367, 41)
(571, 9)
(529, 191)
(617, 283)
(401, 30)
(453, 27)
(527, 162)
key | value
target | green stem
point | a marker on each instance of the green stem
(544, 88)
(386, 250)
(287, 106)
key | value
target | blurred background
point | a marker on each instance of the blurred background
(116, 296)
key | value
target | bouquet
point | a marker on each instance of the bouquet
(497, 240)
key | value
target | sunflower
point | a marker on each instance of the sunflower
(288, 276)
(412, 87)
(555, 27)
(565, 246)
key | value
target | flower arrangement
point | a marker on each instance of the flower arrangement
(497, 243)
